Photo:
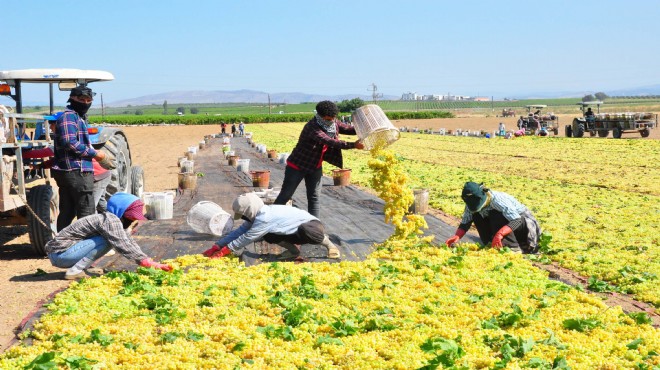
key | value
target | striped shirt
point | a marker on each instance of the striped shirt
(510, 207)
(73, 148)
(106, 225)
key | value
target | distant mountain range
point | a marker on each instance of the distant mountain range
(238, 96)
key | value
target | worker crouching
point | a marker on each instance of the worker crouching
(286, 226)
(78, 245)
(499, 218)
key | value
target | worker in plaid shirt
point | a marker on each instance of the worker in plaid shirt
(318, 142)
(73, 170)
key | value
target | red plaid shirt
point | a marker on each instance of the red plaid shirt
(315, 146)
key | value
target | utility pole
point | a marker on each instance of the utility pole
(374, 92)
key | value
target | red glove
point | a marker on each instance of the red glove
(148, 262)
(459, 234)
(499, 235)
(217, 252)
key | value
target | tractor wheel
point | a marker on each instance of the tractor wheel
(616, 133)
(579, 131)
(645, 132)
(121, 176)
(603, 133)
(568, 131)
(137, 181)
(45, 203)
(592, 133)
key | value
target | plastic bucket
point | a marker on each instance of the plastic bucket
(180, 160)
(187, 180)
(421, 204)
(373, 127)
(243, 165)
(190, 156)
(230, 153)
(233, 160)
(202, 144)
(187, 166)
(283, 157)
(192, 149)
(342, 176)
(226, 140)
(209, 218)
(260, 179)
(159, 205)
(272, 153)
(226, 148)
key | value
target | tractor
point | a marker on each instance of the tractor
(602, 123)
(32, 200)
(536, 120)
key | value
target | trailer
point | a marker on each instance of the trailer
(600, 124)
(28, 198)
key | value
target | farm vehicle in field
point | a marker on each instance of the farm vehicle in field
(508, 112)
(602, 123)
(537, 120)
(27, 198)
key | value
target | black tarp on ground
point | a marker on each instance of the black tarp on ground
(353, 218)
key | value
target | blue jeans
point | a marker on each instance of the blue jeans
(93, 248)
(292, 179)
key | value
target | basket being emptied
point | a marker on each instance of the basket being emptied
(373, 127)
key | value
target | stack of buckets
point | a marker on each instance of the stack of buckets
(187, 176)
(209, 218)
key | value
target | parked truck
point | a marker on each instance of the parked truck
(596, 123)
(33, 200)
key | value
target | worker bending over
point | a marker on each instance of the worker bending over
(277, 224)
(499, 218)
(78, 245)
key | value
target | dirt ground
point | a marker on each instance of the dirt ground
(23, 285)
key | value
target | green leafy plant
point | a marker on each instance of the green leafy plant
(447, 352)
(582, 325)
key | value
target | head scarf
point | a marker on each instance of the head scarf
(328, 126)
(247, 205)
(126, 205)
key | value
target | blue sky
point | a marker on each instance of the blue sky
(501, 48)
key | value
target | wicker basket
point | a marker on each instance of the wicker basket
(373, 127)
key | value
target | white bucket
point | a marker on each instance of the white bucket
(192, 149)
(226, 140)
(373, 127)
(261, 148)
(209, 218)
(243, 165)
(283, 157)
(230, 153)
(159, 205)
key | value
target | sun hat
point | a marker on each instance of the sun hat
(474, 196)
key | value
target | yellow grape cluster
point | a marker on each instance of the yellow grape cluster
(609, 186)
(381, 313)
(391, 185)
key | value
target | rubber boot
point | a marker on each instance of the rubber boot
(333, 251)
